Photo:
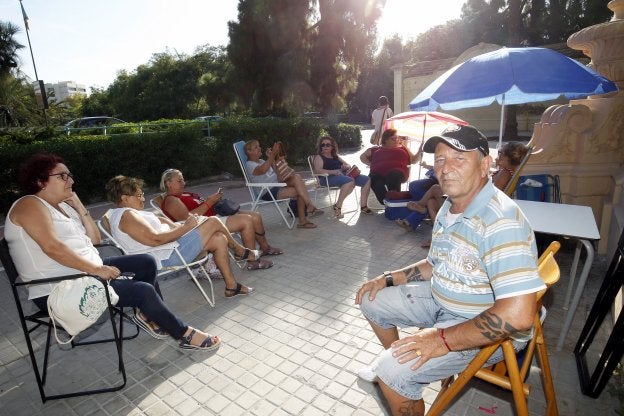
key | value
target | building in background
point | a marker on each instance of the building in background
(59, 92)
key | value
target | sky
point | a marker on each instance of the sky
(89, 41)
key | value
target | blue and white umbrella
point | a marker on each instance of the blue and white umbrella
(511, 76)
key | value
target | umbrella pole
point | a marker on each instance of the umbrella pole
(502, 124)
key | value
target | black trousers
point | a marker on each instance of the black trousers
(380, 184)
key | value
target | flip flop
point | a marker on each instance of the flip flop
(272, 251)
(306, 225)
(237, 291)
(259, 264)
(314, 213)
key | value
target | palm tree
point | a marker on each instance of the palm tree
(8, 47)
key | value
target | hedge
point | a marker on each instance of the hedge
(94, 159)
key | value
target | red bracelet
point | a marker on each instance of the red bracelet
(441, 333)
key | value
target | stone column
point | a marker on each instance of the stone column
(583, 142)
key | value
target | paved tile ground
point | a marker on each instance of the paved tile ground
(292, 348)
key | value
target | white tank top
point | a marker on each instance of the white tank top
(32, 263)
(131, 246)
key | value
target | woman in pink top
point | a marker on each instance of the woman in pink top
(389, 164)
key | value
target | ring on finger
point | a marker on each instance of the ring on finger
(418, 353)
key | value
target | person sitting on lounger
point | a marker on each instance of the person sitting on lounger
(178, 204)
(260, 171)
(140, 231)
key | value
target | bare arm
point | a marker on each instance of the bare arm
(505, 317)
(87, 221)
(264, 167)
(365, 157)
(133, 224)
(176, 208)
(419, 271)
(35, 218)
(318, 167)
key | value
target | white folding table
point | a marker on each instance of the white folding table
(574, 221)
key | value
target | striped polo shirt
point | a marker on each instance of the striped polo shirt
(487, 253)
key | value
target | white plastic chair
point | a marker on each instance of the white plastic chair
(104, 226)
(258, 190)
(318, 187)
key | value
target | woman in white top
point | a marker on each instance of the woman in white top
(51, 233)
(141, 231)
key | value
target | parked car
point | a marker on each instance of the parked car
(98, 121)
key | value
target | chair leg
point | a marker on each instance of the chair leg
(547, 383)
(517, 386)
(210, 300)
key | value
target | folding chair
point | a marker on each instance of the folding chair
(156, 203)
(510, 373)
(104, 226)
(42, 319)
(258, 190)
(317, 184)
(511, 185)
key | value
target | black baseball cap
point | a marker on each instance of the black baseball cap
(462, 138)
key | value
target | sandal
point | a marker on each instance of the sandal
(404, 223)
(209, 344)
(338, 212)
(237, 291)
(146, 326)
(272, 251)
(259, 264)
(306, 225)
(366, 210)
(314, 213)
(256, 255)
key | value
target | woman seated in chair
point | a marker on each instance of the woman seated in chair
(389, 164)
(140, 231)
(327, 161)
(50, 233)
(178, 204)
(261, 171)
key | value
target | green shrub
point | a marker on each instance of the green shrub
(181, 144)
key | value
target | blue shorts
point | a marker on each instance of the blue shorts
(339, 180)
(274, 191)
(189, 247)
(413, 306)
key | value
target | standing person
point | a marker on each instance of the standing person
(51, 233)
(261, 171)
(178, 204)
(477, 285)
(389, 164)
(378, 118)
(328, 161)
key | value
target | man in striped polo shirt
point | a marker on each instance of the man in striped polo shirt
(477, 285)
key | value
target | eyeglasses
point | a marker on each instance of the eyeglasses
(326, 145)
(140, 195)
(63, 175)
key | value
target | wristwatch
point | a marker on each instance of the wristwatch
(388, 276)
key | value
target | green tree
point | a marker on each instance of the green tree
(267, 50)
(340, 42)
(8, 47)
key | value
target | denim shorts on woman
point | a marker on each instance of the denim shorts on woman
(413, 306)
(339, 180)
(189, 247)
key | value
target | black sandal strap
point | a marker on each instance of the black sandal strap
(186, 340)
(236, 291)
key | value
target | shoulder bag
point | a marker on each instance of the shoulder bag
(77, 304)
(226, 207)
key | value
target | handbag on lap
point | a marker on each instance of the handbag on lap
(280, 166)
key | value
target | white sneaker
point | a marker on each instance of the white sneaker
(367, 374)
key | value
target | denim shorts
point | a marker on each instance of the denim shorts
(189, 247)
(339, 180)
(274, 191)
(413, 306)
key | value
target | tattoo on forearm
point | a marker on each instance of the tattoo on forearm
(413, 274)
(493, 327)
